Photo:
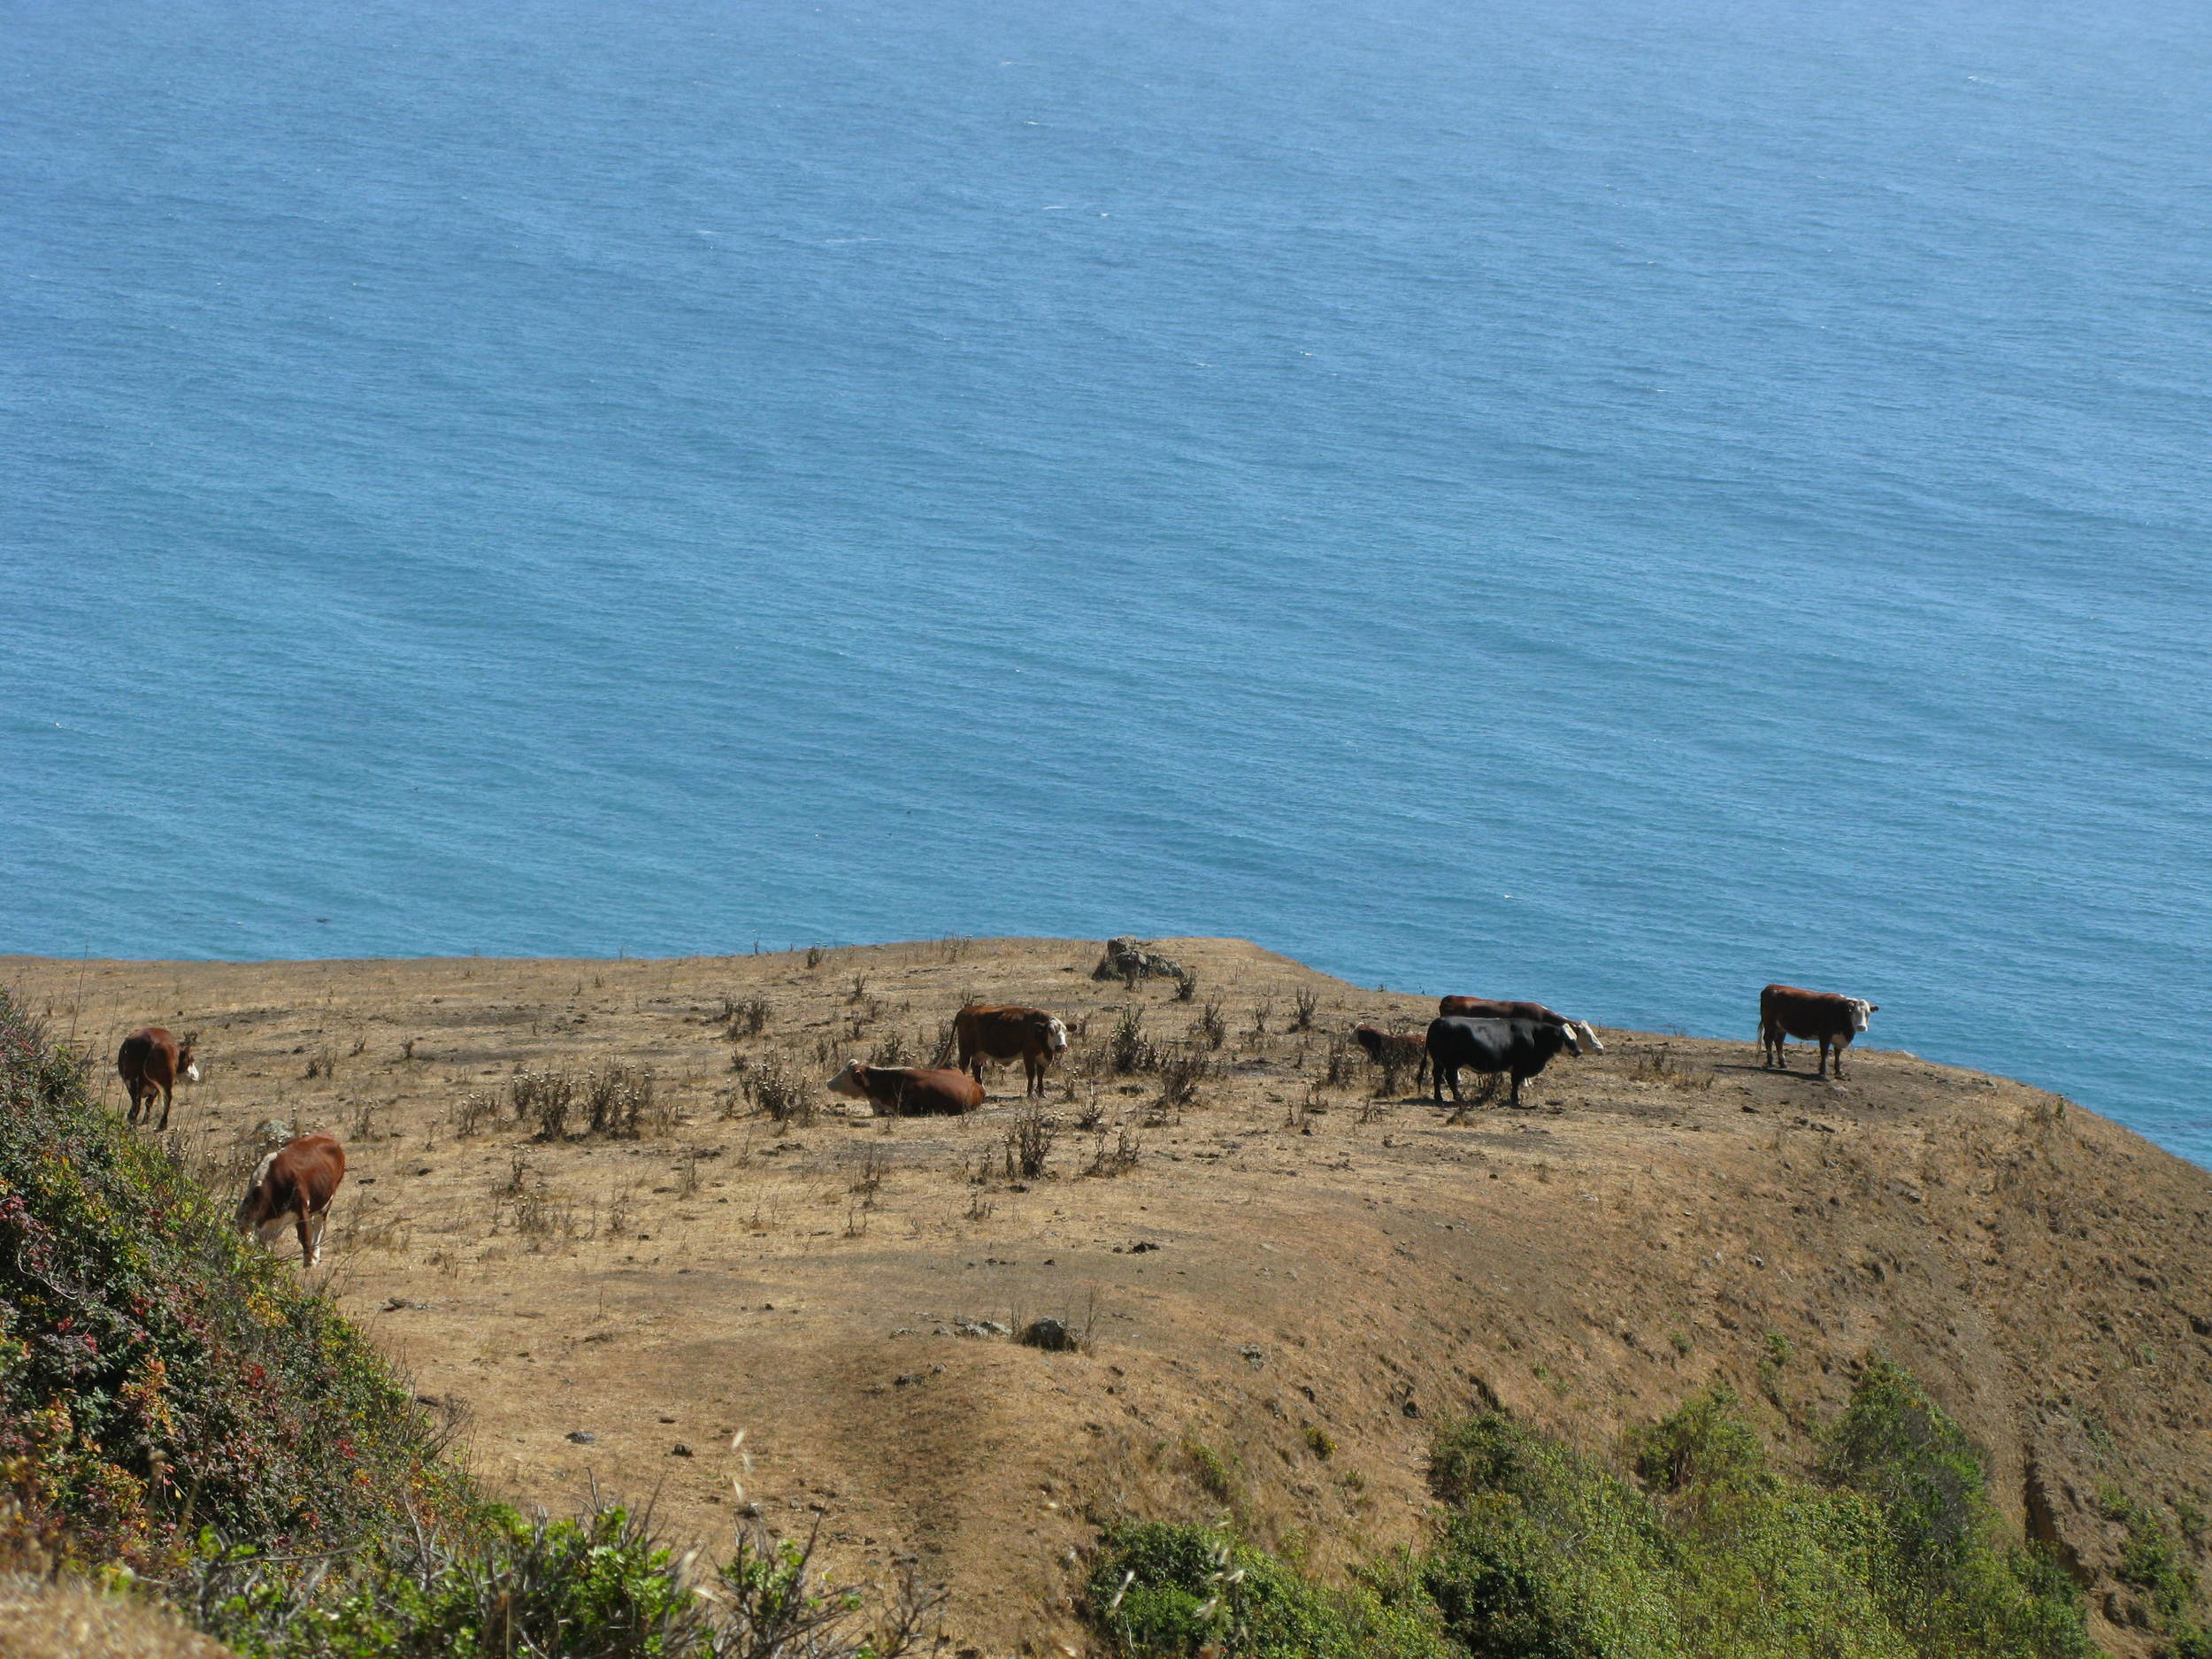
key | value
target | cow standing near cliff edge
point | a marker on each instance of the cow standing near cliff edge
(1822, 1017)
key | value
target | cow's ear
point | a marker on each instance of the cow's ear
(191, 1040)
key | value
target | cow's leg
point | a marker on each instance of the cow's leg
(1515, 1100)
(1823, 1056)
(165, 1109)
(308, 1248)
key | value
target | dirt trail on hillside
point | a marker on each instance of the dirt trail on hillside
(1284, 1284)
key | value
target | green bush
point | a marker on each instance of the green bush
(1540, 1553)
(1945, 1573)
(1161, 1591)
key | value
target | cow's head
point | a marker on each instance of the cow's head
(1567, 1040)
(187, 1068)
(253, 1210)
(1860, 1009)
(1056, 1034)
(849, 1082)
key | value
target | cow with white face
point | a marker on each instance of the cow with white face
(1823, 1017)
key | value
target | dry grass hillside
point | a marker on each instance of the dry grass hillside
(1281, 1280)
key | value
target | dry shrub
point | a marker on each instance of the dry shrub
(1028, 1144)
(474, 1113)
(1341, 1062)
(891, 1049)
(1118, 1159)
(774, 1088)
(543, 1098)
(1211, 1028)
(1304, 1003)
(1129, 1050)
(747, 1018)
(621, 1101)
(1180, 1074)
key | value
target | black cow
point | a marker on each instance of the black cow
(1520, 1048)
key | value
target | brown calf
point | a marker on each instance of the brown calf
(900, 1091)
(150, 1061)
(295, 1183)
(1008, 1033)
(1395, 1049)
(1821, 1017)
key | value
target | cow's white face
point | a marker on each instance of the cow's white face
(1057, 1036)
(192, 1073)
(847, 1082)
(1860, 1009)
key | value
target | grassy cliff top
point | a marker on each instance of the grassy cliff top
(1264, 1254)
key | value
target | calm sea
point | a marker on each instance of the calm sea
(1612, 503)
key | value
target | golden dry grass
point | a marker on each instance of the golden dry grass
(1281, 1264)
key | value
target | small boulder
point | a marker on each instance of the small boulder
(582, 1437)
(1048, 1334)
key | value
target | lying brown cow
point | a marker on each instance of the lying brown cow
(1821, 1017)
(1008, 1033)
(902, 1090)
(1396, 1048)
(1487, 1008)
(295, 1183)
(150, 1062)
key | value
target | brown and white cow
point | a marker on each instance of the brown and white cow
(904, 1091)
(294, 1184)
(1395, 1049)
(1821, 1017)
(1004, 1034)
(1489, 1007)
(150, 1063)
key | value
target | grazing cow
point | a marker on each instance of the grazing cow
(295, 1183)
(150, 1062)
(1821, 1017)
(1520, 1048)
(1485, 1008)
(1394, 1048)
(903, 1091)
(1002, 1035)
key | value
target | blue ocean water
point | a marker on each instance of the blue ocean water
(1588, 500)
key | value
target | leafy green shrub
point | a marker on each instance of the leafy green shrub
(2152, 1564)
(1171, 1592)
(1944, 1573)
(1542, 1552)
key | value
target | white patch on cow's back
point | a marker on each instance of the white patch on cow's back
(1057, 1037)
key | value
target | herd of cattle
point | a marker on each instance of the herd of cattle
(293, 1185)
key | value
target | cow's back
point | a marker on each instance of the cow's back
(915, 1091)
(307, 1172)
(148, 1056)
(1005, 1032)
(1805, 1014)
